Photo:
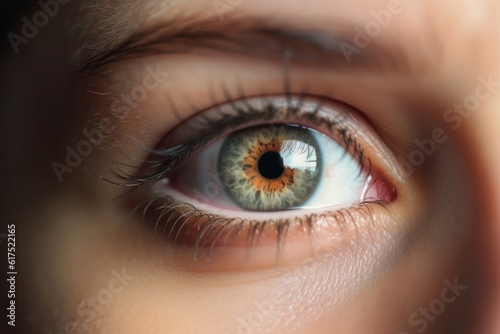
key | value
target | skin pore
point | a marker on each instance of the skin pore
(135, 71)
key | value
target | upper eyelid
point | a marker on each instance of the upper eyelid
(311, 46)
(174, 154)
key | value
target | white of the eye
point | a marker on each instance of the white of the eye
(341, 184)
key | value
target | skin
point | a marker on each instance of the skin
(379, 275)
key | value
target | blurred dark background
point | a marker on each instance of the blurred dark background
(10, 12)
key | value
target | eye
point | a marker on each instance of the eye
(257, 174)
(273, 168)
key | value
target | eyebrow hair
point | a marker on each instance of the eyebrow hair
(247, 36)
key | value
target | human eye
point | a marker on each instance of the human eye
(256, 181)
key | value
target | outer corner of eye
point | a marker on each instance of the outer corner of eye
(266, 180)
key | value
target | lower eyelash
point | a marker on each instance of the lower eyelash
(182, 223)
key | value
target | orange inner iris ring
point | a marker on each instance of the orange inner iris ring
(259, 182)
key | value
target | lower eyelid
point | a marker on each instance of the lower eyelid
(200, 240)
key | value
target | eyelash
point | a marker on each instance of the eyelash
(183, 218)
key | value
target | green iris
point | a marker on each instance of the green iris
(270, 169)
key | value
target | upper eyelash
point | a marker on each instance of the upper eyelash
(175, 156)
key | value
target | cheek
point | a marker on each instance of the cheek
(153, 293)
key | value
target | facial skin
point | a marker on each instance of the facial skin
(428, 261)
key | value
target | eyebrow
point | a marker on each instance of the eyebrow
(255, 37)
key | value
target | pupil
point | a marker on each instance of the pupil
(271, 165)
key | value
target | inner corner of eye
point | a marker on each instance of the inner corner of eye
(277, 168)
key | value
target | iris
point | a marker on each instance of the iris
(270, 169)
